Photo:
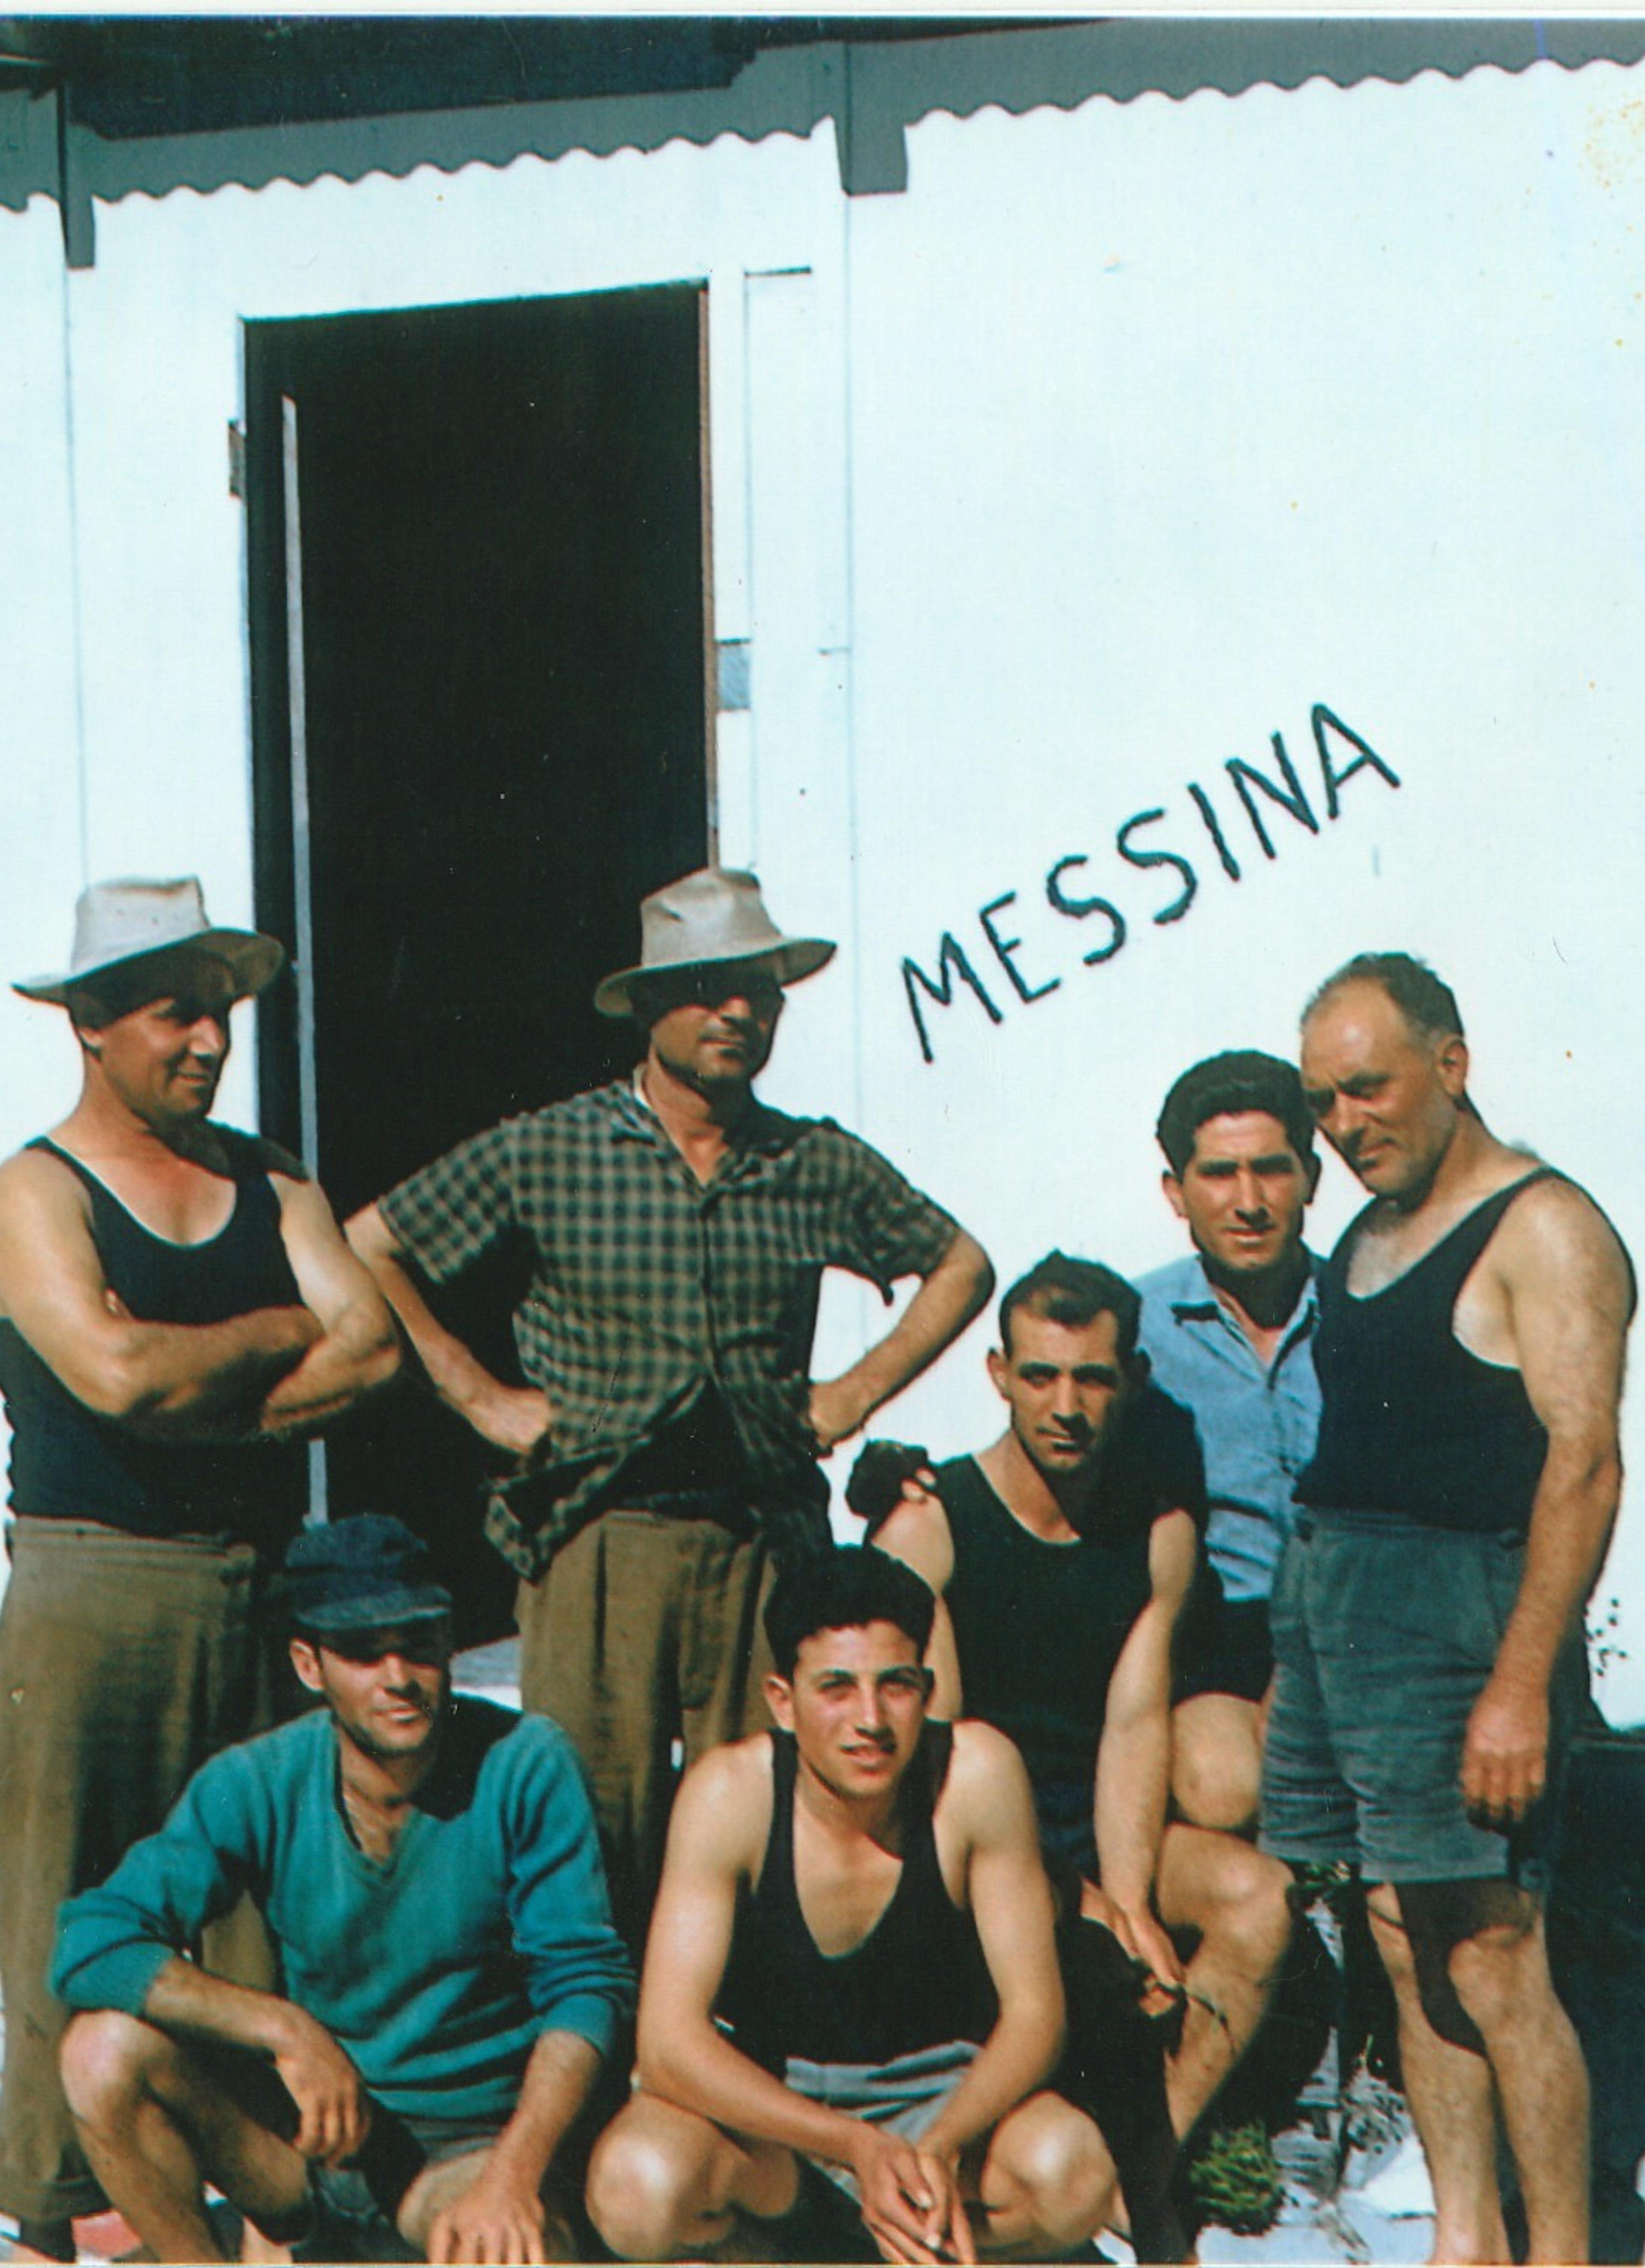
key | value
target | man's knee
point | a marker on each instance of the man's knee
(1247, 1913)
(644, 2189)
(108, 2059)
(1215, 1777)
(1052, 2157)
(1500, 1972)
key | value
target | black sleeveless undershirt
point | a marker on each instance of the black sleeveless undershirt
(1039, 1628)
(918, 1980)
(69, 1463)
(1413, 1423)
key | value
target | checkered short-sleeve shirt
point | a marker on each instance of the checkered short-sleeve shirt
(648, 1287)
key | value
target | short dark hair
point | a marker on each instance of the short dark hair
(1074, 1292)
(1426, 1001)
(1240, 1079)
(844, 1588)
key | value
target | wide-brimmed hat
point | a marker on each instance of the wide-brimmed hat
(367, 1572)
(716, 914)
(119, 922)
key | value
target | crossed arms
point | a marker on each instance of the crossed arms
(272, 1372)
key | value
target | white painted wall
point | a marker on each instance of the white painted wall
(1105, 452)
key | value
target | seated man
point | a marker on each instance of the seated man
(1063, 1571)
(851, 1966)
(429, 1875)
(1229, 1331)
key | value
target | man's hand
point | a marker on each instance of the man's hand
(333, 2110)
(516, 1418)
(912, 2204)
(1144, 1939)
(837, 1411)
(885, 1475)
(498, 2221)
(1505, 1754)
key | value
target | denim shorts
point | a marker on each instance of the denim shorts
(1385, 1634)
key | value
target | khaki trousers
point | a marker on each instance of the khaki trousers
(645, 1631)
(124, 1662)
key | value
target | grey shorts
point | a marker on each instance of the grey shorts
(903, 2097)
(1385, 1634)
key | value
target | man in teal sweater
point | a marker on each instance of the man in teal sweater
(431, 1878)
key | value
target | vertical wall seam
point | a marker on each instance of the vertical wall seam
(77, 655)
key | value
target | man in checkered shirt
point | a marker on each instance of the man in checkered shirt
(667, 1440)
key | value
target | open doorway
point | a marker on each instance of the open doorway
(476, 549)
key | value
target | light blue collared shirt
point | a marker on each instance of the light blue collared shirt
(1256, 1426)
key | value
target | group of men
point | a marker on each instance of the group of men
(1274, 1563)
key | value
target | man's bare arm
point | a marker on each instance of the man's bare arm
(517, 1418)
(917, 1533)
(1569, 1302)
(988, 1798)
(1133, 1757)
(358, 1351)
(172, 1380)
(500, 2217)
(947, 1300)
(333, 2109)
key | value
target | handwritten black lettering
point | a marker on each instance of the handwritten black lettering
(1005, 947)
(1080, 909)
(1334, 780)
(1246, 777)
(951, 963)
(1178, 906)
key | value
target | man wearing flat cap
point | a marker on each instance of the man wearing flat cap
(668, 1432)
(451, 1982)
(176, 1301)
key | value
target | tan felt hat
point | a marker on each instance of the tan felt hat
(125, 921)
(716, 914)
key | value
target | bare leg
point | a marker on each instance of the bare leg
(155, 2118)
(1216, 1762)
(1448, 2087)
(1047, 2181)
(1236, 1902)
(1490, 1935)
(440, 2184)
(664, 2183)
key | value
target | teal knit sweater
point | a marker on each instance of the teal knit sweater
(438, 1968)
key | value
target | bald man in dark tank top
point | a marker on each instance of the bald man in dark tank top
(1428, 1614)
(176, 1301)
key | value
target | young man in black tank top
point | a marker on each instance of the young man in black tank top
(1062, 1573)
(172, 1294)
(864, 1905)
(1428, 1614)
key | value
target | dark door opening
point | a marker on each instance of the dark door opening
(500, 516)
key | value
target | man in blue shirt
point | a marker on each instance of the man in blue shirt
(431, 1878)
(1229, 1333)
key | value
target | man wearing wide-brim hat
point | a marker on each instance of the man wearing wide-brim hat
(175, 1300)
(668, 1432)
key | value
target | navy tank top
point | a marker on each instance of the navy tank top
(918, 1980)
(70, 1463)
(1413, 1423)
